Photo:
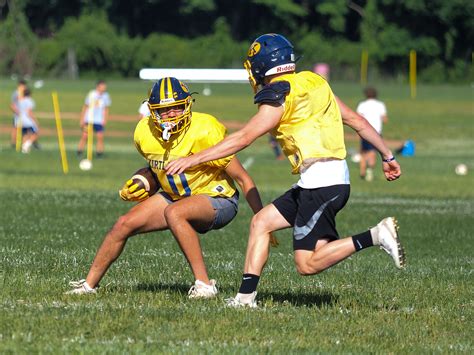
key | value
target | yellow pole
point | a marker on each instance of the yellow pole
(59, 128)
(90, 126)
(413, 74)
(19, 123)
(364, 63)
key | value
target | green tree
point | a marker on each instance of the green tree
(17, 43)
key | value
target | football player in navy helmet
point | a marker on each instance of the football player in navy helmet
(269, 54)
(307, 119)
(170, 93)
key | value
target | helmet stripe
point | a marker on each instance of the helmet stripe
(162, 89)
(169, 93)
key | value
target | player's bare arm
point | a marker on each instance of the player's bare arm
(14, 108)
(106, 115)
(83, 115)
(33, 117)
(237, 172)
(363, 128)
(262, 122)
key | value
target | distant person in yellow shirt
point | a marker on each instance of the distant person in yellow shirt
(307, 119)
(200, 200)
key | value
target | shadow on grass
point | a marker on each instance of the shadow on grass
(297, 299)
(169, 287)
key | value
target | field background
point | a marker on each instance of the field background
(51, 225)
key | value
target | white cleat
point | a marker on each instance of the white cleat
(242, 300)
(202, 290)
(80, 287)
(387, 235)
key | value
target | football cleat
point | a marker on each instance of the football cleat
(386, 232)
(202, 290)
(242, 300)
(80, 287)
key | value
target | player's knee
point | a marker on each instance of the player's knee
(259, 224)
(124, 225)
(172, 214)
(304, 269)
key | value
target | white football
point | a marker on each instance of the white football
(85, 164)
(461, 169)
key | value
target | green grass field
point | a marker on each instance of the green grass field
(51, 225)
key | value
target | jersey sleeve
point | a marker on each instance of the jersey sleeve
(273, 93)
(107, 100)
(137, 135)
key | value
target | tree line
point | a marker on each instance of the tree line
(118, 37)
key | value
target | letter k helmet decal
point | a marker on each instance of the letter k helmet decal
(300, 232)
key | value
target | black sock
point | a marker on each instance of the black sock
(362, 240)
(249, 283)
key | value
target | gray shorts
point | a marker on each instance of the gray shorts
(226, 209)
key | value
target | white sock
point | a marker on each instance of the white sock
(374, 235)
(86, 286)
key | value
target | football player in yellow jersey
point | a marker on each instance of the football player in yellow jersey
(202, 199)
(307, 119)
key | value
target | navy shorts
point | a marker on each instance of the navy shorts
(96, 127)
(365, 146)
(26, 130)
(312, 213)
(226, 209)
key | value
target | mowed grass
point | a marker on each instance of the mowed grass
(51, 225)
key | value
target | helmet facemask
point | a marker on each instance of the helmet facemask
(252, 80)
(172, 125)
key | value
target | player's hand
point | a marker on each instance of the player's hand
(178, 166)
(129, 192)
(391, 170)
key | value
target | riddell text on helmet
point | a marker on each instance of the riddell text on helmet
(285, 68)
(281, 69)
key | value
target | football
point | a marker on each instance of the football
(146, 179)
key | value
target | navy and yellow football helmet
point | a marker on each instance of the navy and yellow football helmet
(165, 93)
(269, 54)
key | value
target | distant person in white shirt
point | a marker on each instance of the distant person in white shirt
(375, 112)
(17, 95)
(143, 110)
(29, 124)
(95, 111)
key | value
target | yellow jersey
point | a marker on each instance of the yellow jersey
(311, 126)
(208, 178)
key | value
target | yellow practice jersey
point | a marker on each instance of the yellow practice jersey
(311, 125)
(208, 178)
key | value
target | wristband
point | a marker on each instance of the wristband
(388, 160)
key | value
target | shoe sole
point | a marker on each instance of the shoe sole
(401, 250)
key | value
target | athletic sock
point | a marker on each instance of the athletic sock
(362, 240)
(249, 283)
